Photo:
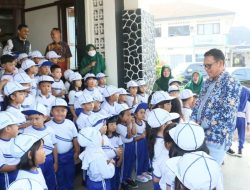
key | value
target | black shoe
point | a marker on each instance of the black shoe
(240, 152)
(132, 184)
(230, 152)
(124, 186)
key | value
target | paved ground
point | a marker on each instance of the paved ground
(236, 171)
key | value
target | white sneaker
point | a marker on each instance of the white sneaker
(141, 179)
(146, 175)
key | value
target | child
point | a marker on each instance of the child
(66, 75)
(87, 103)
(44, 67)
(132, 98)
(45, 97)
(101, 79)
(110, 94)
(122, 96)
(58, 88)
(174, 91)
(15, 95)
(195, 171)
(187, 103)
(29, 148)
(158, 119)
(142, 159)
(175, 82)
(8, 63)
(126, 128)
(67, 145)
(142, 95)
(31, 69)
(161, 99)
(52, 56)
(8, 131)
(75, 91)
(117, 143)
(21, 58)
(25, 81)
(38, 115)
(90, 84)
(36, 56)
(98, 100)
(94, 161)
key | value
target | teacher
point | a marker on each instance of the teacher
(92, 62)
(162, 82)
(216, 108)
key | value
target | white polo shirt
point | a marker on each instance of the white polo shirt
(122, 130)
(46, 101)
(101, 89)
(108, 148)
(73, 96)
(108, 108)
(65, 132)
(187, 112)
(116, 141)
(130, 100)
(28, 102)
(58, 86)
(82, 120)
(92, 92)
(9, 77)
(143, 98)
(17, 112)
(140, 128)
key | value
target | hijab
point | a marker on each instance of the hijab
(162, 82)
(195, 88)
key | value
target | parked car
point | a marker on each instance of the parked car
(241, 73)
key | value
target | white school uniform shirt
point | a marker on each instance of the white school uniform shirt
(187, 112)
(101, 89)
(6, 157)
(65, 132)
(28, 102)
(9, 77)
(108, 148)
(130, 100)
(100, 111)
(34, 175)
(140, 128)
(82, 120)
(108, 108)
(67, 85)
(34, 86)
(58, 86)
(17, 112)
(46, 101)
(93, 92)
(161, 154)
(116, 141)
(73, 96)
(48, 136)
(122, 131)
(143, 98)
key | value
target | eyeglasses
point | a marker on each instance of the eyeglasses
(208, 66)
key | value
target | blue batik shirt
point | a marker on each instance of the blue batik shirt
(216, 109)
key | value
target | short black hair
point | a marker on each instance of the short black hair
(7, 58)
(56, 29)
(216, 53)
(20, 26)
(54, 67)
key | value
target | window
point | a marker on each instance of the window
(158, 32)
(206, 29)
(199, 58)
(178, 31)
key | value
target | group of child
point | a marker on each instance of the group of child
(47, 125)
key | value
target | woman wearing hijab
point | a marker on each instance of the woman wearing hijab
(92, 62)
(162, 82)
(195, 83)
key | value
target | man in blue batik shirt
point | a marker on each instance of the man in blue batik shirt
(216, 108)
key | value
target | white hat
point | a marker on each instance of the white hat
(22, 78)
(7, 119)
(52, 54)
(188, 136)
(132, 83)
(37, 108)
(36, 54)
(141, 82)
(110, 90)
(22, 143)
(98, 97)
(22, 56)
(89, 137)
(158, 117)
(97, 120)
(160, 96)
(12, 87)
(45, 78)
(75, 76)
(85, 98)
(122, 91)
(174, 80)
(121, 107)
(24, 184)
(67, 73)
(59, 102)
(186, 93)
(89, 75)
(26, 64)
(196, 170)
(100, 75)
(173, 88)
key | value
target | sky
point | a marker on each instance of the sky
(240, 7)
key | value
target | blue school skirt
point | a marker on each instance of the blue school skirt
(142, 157)
(99, 185)
(6, 178)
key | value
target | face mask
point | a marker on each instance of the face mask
(92, 53)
